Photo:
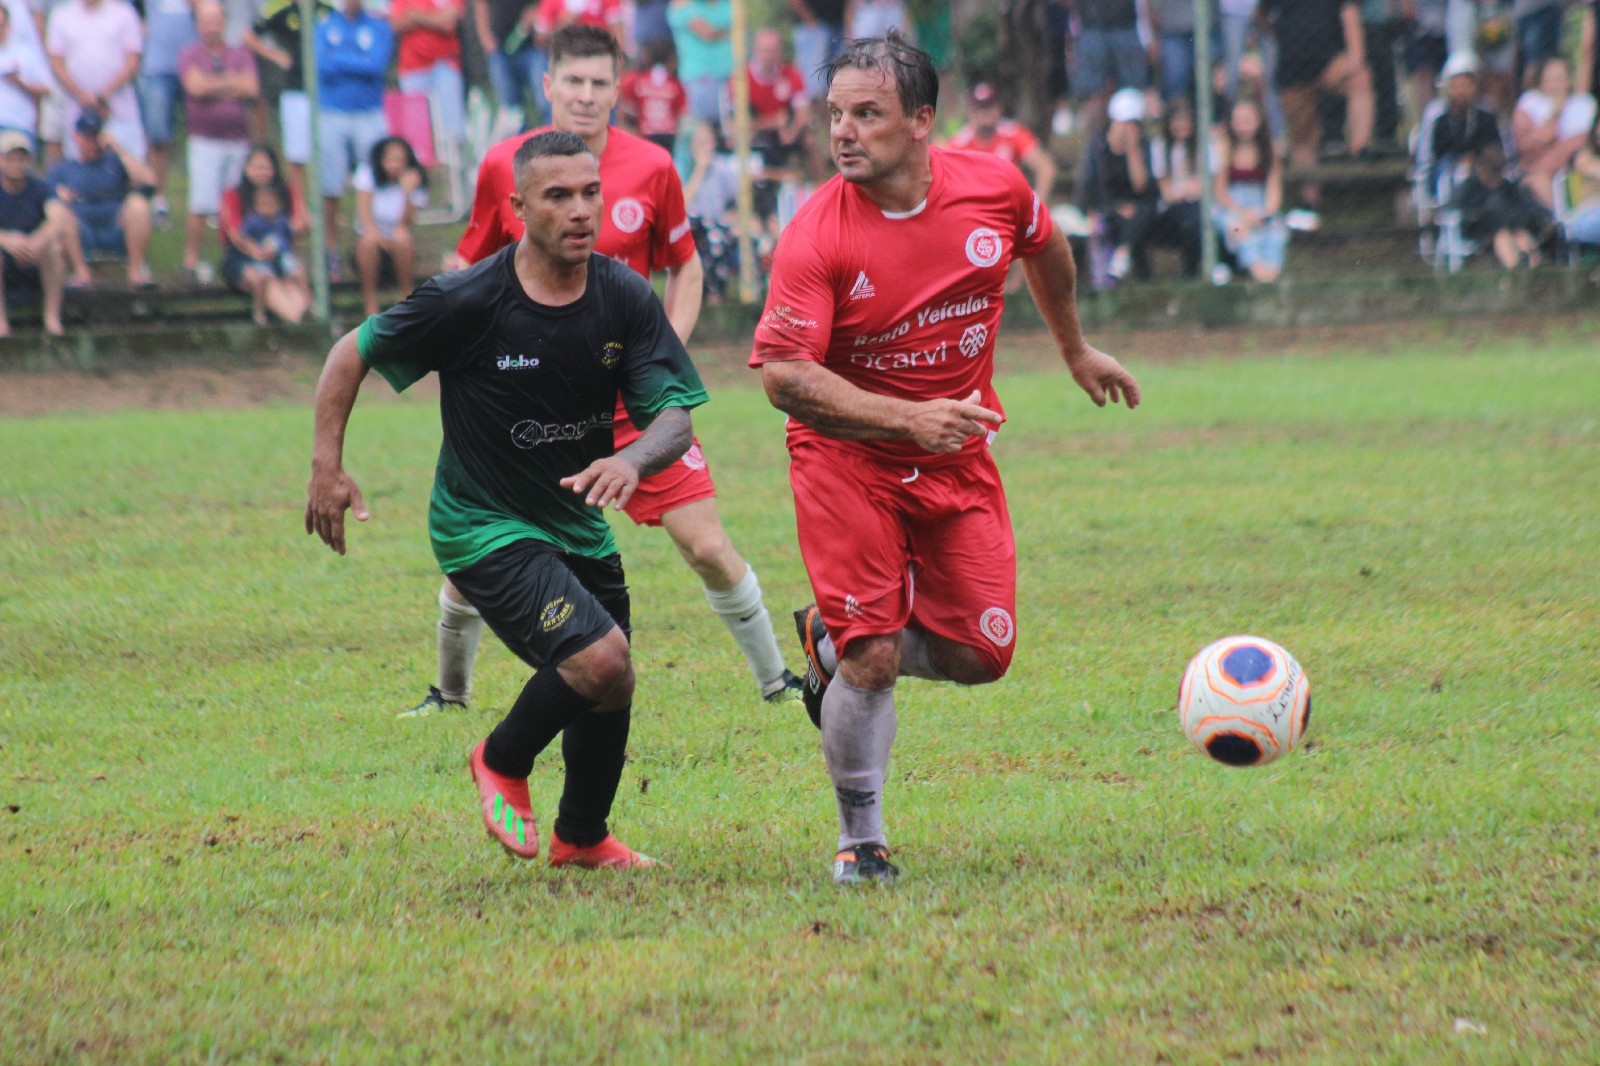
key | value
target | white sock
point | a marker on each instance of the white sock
(460, 629)
(858, 727)
(828, 655)
(916, 657)
(746, 617)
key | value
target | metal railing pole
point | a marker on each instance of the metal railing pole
(1204, 105)
(320, 308)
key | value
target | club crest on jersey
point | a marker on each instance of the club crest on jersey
(627, 214)
(996, 624)
(862, 289)
(555, 614)
(610, 354)
(983, 247)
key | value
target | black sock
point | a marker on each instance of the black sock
(595, 746)
(545, 707)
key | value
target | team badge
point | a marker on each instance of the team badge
(610, 354)
(996, 624)
(627, 214)
(555, 614)
(983, 247)
(694, 458)
(972, 340)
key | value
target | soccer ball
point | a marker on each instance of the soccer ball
(1244, 701)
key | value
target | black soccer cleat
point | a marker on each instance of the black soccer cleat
(433, 703)
(864, 864)
(809, 626)
(788, 687)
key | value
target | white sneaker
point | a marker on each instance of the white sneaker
(1303, 220)
(1062, 122)
(1220, 274)
(204, 273)
(1120, 260)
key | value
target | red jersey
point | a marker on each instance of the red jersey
(421, 48)
(902, 305)
(645, 223)
(1011, 141)
(775, 97)
(655, 98)
(554, 14)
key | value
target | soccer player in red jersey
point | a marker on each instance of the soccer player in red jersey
(644, 226)
(986, 131)
(878, 341)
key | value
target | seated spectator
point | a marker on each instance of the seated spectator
(1321, 49)
(429, 39)
(104, 210)
(30, 244)
(94, 48)
(1106, 55)
(1550, 124)
(1457, 127)
(219, 82)
(779, 105)
(651, 98)
(1249, 196)
(276, 281)
(1175, 162)
(1583, 223)
(390, 189)
(169, 29)
(1502, 214)
(1117, 185)
(710, 196)
(353, 51)
(986, 131)
(24, 79)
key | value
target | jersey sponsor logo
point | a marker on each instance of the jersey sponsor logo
(610, 354)
(973, 339)
(901, 360)
(1033, 226)
(627, 214)
(784, 317)
(931, 316)
(516, 362)
(862, 289)
(694, 458)
(555, 614)
(996, 624)
(529, 434)
(983, 247)
(678, 232)
(865, 341)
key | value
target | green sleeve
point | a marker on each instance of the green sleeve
(412, 339)
(657, 372)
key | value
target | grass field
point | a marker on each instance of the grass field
(216, 844)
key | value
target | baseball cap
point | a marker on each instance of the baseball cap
(1459, 63)
(983, 95)
(11, 140)
(1127, 105)
(90, 123)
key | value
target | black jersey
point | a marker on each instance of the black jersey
(527, 395)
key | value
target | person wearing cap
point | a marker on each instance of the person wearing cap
(98, 206)
(1117, 185)
(95, 47)
(987, 131)
(1464, 127)
(30, 244)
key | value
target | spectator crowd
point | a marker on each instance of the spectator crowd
(1494, 98)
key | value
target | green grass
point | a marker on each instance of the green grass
(217, 845)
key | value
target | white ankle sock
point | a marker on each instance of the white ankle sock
(460, 629)
(746, 617)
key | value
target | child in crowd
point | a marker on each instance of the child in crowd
(1501, 214)
(391, 188)
(268, 243)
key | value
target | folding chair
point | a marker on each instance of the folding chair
(415, 116)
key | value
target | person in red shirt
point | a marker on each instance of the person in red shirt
(430, 57)
(779, 102)
(646, 227)
(652, 98)
(877, 341)
(986, 131)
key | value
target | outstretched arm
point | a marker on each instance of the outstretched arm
(1052, 281)
(612, 480)
(331, 490)
(810, 393)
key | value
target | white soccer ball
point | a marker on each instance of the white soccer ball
(1244, 701)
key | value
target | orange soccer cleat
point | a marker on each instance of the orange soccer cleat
(507, 811)
(609, 854)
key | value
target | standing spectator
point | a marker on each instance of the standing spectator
(1426, 48)
(274, 278)
(1106, 55)
(1538, 34)
(390, 189)
(516, 63)
(1380, 31)
(1550, 124)
(275, 38)
(1589, 50)
(1321, 49)
(1239, 25)
(169, 29)
(1173, 21)
(1175, 162)
(874, 18)
(987, 131)
(651, 97)
(705, 56)
(1118, 187)
(551, 15)
(429, 38)
(818, 34)
(94, 48)
(779, 103)
(103, 209)
(1249, 196)
(24, 79)
(30, 242)
(650, 25)
(353, 52)
(219, 82)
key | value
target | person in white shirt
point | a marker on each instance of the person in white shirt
(24, 79)
(390, 189)
(1549, 126)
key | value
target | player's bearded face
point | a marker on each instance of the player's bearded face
(582, 93)
(558, 201)
(870, 135)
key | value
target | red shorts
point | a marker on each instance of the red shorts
(684, 482)
(887, 545)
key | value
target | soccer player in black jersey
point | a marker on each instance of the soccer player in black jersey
(532, 346)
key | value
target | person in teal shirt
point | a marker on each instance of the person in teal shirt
(700, 31)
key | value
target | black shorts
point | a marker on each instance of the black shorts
(546, 605)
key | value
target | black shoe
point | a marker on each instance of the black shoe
(433, 703)
(809, 626)
(864, 864)
(788, 688)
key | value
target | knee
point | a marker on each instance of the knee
(871, 662)
(602, 672)
(708, 550)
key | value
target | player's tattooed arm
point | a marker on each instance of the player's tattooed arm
(612, 480)
(819, 398)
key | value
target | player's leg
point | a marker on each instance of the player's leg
(858, 729)
(460, 630)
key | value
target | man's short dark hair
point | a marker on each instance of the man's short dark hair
(909, 67)
(579, 40)
(546, 144)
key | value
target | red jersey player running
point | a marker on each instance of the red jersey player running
(644, 226)
(878, 342)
